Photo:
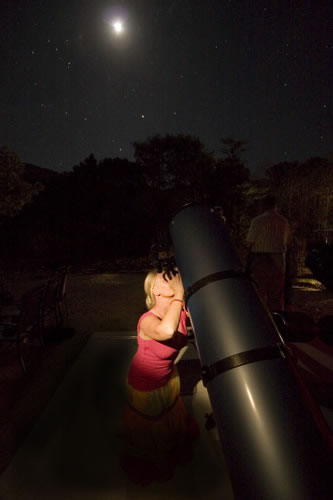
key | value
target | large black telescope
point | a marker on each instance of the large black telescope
(270, 438)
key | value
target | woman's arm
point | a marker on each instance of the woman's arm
(157, 329)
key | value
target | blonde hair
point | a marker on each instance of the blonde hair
(148, 287)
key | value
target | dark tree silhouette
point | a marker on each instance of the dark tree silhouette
(175, 162)
(176, 170)
(117, 208)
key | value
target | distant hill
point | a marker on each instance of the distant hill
(33, 174)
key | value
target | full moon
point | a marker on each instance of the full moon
(117, 26)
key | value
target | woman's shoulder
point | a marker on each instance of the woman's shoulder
(143, 316)
(147, 313)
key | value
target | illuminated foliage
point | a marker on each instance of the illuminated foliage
(305, 192)
(14, 191)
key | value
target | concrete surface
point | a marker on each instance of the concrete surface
(71, 454)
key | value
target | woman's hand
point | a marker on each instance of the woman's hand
(175, 283)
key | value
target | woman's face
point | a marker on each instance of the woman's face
(162, 287)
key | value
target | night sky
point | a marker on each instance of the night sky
(254, 70)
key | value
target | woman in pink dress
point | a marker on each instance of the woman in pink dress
(157, 430)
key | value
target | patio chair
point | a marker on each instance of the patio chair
(27, 324)
(54, 300)
(62, 294)
(49, 300)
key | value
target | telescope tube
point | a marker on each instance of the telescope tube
(272, 445)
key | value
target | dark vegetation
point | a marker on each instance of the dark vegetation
(115, 209)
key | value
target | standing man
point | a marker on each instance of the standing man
(267, 239)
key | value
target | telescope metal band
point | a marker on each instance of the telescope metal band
(211, 278)
(240, 359)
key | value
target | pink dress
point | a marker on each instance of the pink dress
(156, 429)
(153, 363)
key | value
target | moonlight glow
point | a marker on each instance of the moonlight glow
(117, 26)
